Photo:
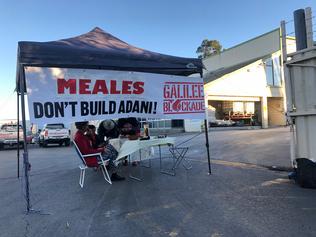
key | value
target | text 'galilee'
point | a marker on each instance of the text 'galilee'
(183, 98)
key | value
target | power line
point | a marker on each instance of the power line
(3, 104)
(292, 20)
(287, 22)
(292, 33)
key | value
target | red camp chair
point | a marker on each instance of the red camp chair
(101, 164)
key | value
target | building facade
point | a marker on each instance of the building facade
(244, 85)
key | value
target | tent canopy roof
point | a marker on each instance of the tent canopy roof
(98, 49)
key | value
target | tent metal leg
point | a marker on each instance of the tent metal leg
(18, 131)
(207, 147)
(141, 177)
(25, 152)
(142, 161)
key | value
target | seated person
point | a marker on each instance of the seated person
(85, 146)
(93, 136)
(109, 129)
(129, 127)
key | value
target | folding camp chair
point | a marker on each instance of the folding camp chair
(101, 164)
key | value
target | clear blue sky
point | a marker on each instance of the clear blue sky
(174, 27)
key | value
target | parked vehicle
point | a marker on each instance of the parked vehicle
(54, 133)
(35, 139)
(9, 135)
(29, 137)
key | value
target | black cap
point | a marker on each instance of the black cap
(80, 125)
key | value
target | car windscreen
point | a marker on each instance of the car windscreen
(10, 127)
(54, 126)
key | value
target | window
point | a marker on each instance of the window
(273, 71)
(55, 126)
(156, 123)
(238, 107)
(249, 107)
(244, 107)
(276, 71)
(10, 127)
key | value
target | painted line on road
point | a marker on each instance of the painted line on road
(233, 164)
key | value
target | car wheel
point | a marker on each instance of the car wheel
(67, 143)
(44, 144)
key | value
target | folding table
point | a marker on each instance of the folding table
(178, 153)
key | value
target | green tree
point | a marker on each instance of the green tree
(208, 48)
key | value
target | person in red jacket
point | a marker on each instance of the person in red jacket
(85, 146)
(93, 137)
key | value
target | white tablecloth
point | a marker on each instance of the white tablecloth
(131, 146)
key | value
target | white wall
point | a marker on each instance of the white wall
(193, 125)
(290, 45)
(245, 82)
(248, 81)
(258, 47)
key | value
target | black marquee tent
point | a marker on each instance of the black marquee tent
(96, 49)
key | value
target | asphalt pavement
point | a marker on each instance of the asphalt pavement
(240, 198)
(262, 147)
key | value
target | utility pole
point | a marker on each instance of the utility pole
(309, 27)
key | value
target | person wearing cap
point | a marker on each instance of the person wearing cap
(109, 129)
(85, 147)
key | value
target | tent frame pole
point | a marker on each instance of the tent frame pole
(18, 131)
(207, 147)
(25, 152)
(207, 144)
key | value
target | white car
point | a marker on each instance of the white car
(54, 133)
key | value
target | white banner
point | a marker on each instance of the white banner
(69, 95)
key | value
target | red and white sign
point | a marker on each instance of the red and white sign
(183, 98)
(68, 95)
